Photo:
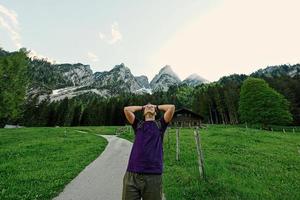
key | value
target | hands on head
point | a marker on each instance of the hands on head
(150, 107)
(168, 110)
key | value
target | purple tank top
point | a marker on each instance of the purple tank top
(147, 150)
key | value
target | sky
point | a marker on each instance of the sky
(212, 38)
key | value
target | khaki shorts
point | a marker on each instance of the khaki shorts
(140, 185)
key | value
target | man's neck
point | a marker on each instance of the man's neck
(149, 118)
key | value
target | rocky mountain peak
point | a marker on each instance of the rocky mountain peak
(167, 69)
(164, 79)
(194, 79)
(143, 81)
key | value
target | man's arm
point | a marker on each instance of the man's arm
(169, 110)
(129, 112)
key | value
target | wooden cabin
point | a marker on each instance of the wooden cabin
(184, 117)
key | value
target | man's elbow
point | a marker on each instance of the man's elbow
(125, 108)
(172, 107)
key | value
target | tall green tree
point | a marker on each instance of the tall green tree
(261, 104)
(13, 83)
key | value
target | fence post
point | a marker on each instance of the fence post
(199, 152)
(177, 143)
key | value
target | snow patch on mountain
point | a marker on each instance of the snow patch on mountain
(71, 92)
(143, 90)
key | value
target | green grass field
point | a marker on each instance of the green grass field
(36, 163)
(239, 164)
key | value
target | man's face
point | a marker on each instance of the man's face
(149, 108)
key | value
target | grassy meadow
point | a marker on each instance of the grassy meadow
(36, 163)
(240, 163)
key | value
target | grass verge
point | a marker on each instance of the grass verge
(36, 163)
(240, 163)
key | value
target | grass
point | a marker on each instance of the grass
(240, 163)
(36, 163)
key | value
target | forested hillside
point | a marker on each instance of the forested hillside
(217, 102)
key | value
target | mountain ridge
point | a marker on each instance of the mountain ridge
(57, 81)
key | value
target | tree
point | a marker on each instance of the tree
(76, 116)
(261, 104)
(13, 83)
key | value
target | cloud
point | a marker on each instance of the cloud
(93, 57)
(101, 35)
(235, 37)
(34, 55)
(12, 15)
(9, 21)
(115, 36)
(115, 33)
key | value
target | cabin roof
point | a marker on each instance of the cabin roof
(186, 110)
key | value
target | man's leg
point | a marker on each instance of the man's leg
(130, 187)
(153, 187)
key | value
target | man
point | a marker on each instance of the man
(143, 177)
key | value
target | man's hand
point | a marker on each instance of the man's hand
(169, 110)
(129, 112)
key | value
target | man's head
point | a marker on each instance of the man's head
(149, 111)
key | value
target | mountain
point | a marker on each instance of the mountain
(59, 76)
(143, 81)
(194, 80)
(119, 79)
(277, 71)
(58, 81)
(55, 82)
(164, 79)
(106, 84)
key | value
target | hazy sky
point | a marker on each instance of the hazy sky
(212, 38)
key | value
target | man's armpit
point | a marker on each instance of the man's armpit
(135, 122)
(164, 124)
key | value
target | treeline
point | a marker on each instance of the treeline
(217, 102)
(87, 110)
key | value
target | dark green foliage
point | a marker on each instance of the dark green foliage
(217, 102)
(260, 104)
(13, 82)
